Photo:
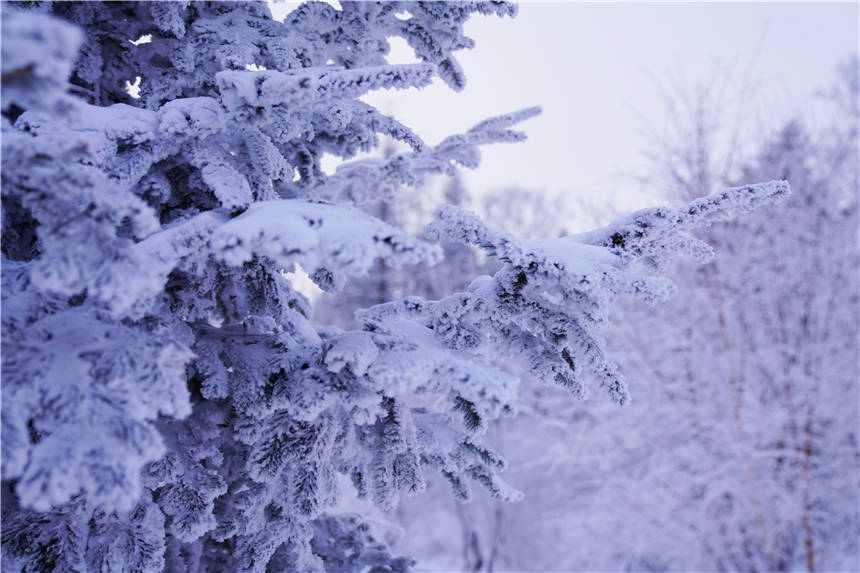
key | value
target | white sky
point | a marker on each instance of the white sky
(595, 67)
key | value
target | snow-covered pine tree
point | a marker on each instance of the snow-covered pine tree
(167, 404)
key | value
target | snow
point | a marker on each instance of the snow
(168, 393)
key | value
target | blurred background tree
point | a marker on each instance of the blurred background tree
(739, 451)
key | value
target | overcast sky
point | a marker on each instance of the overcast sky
(595, 68)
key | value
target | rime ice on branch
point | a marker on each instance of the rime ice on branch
(167, 403)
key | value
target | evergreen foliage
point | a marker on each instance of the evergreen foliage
(167, 402)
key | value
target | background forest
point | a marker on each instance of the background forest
(253, 322)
